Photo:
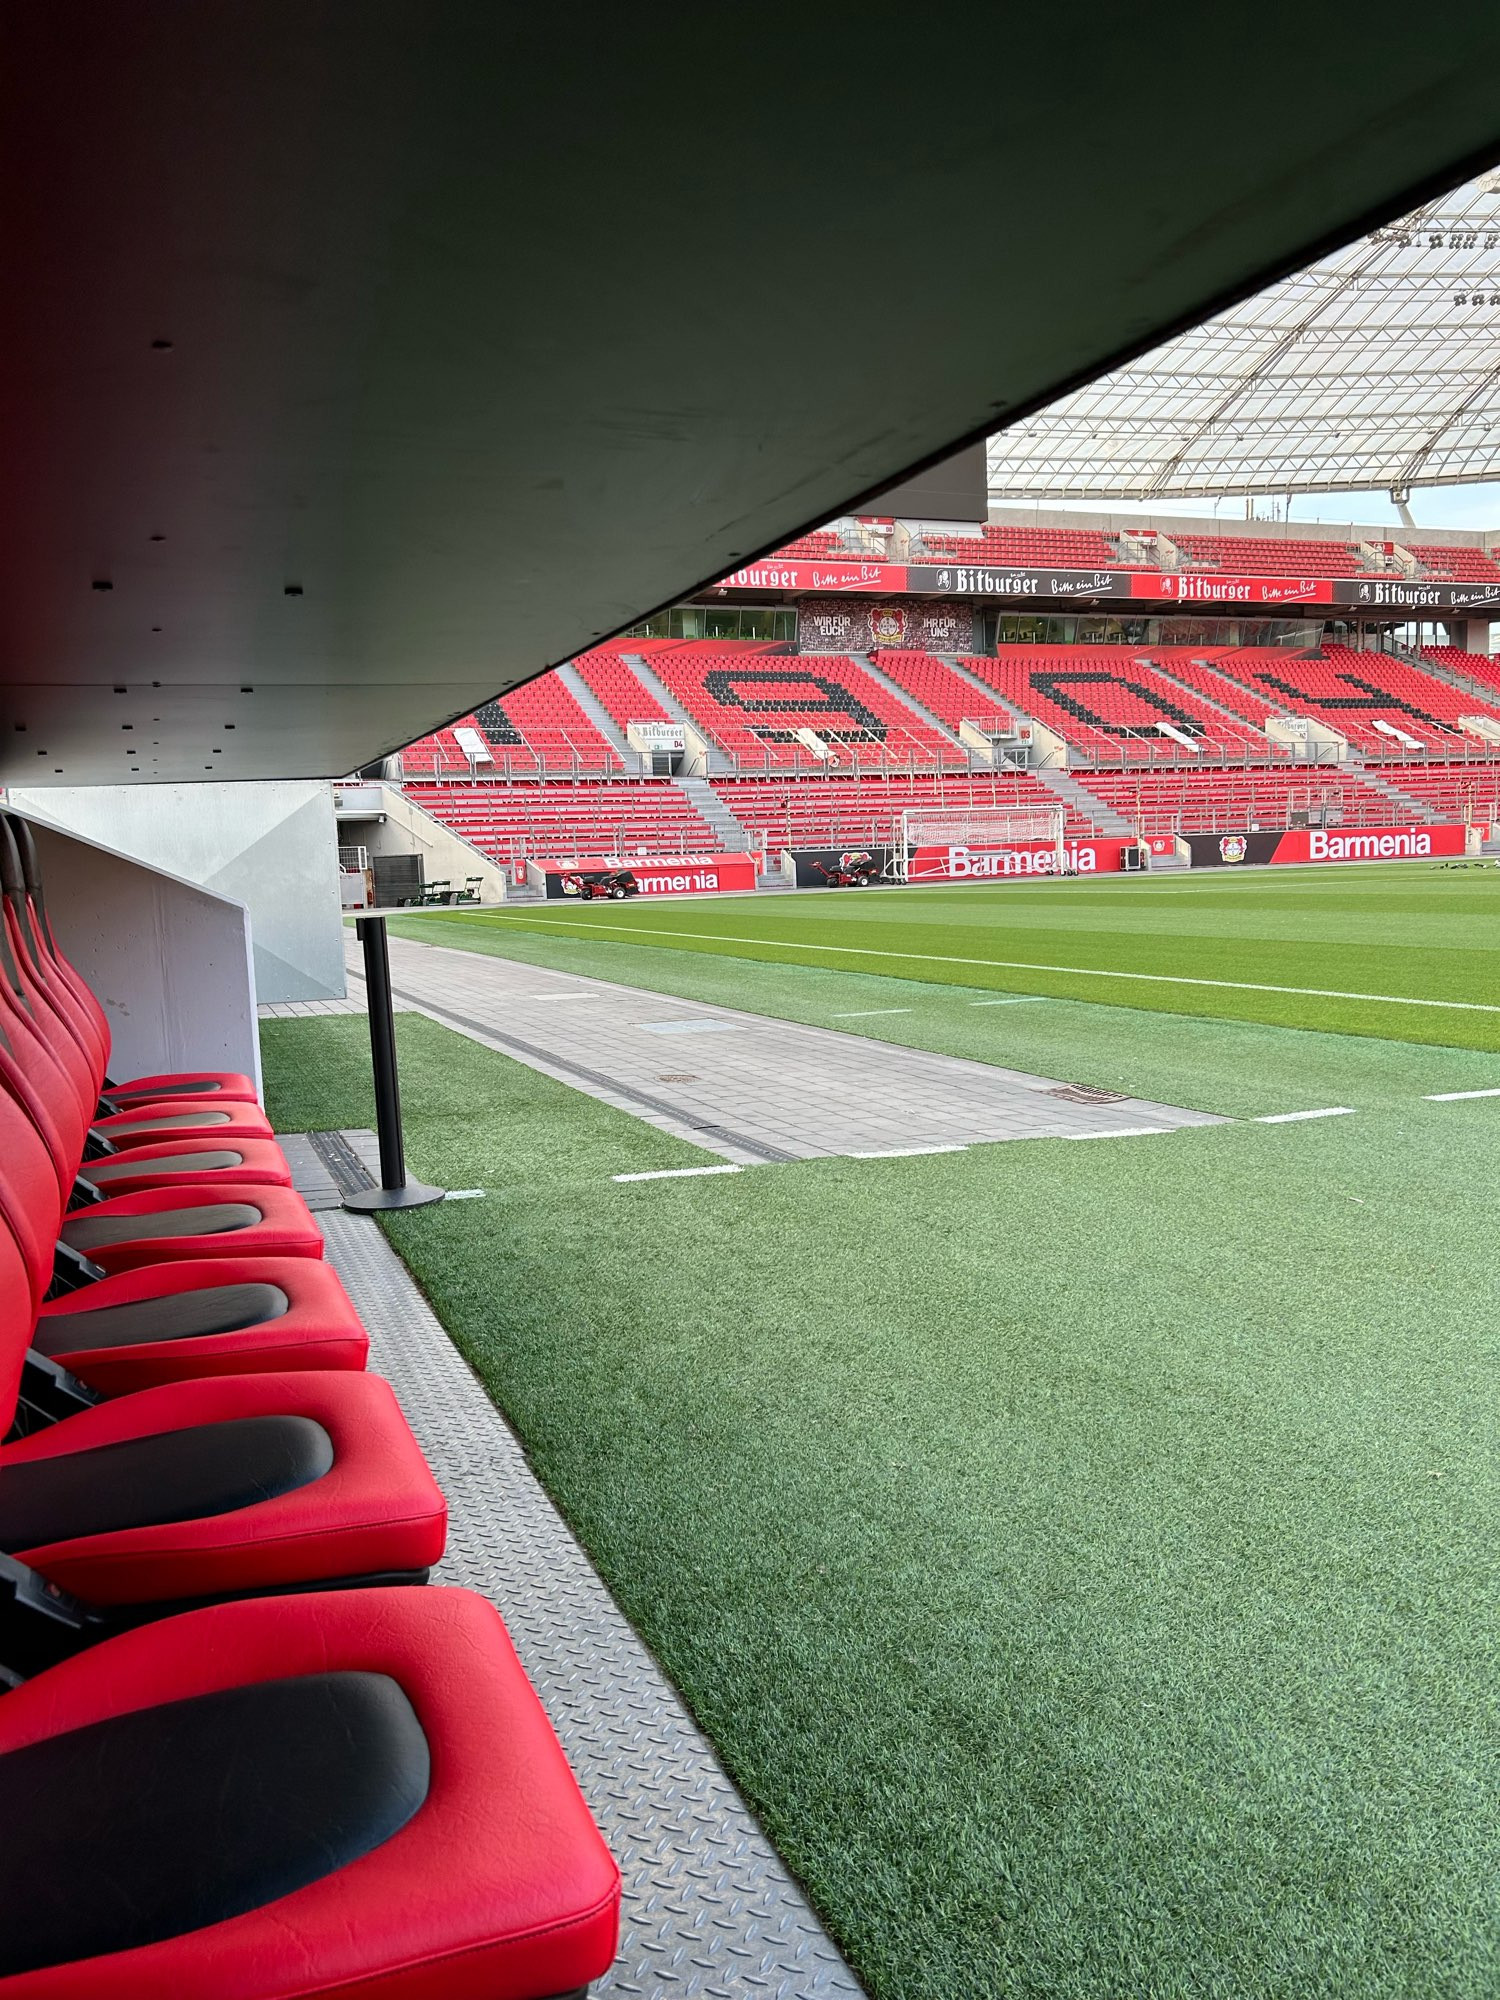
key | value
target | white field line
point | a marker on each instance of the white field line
(869, 1013)
(1457, 1096)
(465, 1194)
(1296, 1117)
(679, 1173)
(1014, 1000)
(1027, 965)
(1129, 1132)
(905, 1152)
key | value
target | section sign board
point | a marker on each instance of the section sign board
(1283, 846)
(1031, 857)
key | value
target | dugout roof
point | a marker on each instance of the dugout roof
(373, 355)
(1377, 366)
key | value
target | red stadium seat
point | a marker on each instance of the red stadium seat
(217, 1487)
(181, 1321)
(353, 1796)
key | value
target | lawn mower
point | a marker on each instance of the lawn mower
(616, 885)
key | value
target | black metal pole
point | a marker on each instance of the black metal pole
(395, 1190)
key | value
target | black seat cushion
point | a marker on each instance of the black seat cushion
(185, 1086)
(84, 1233)
(169, 1123)
(126, 1166)
(146, 1482)
(177, 1316)
(162, 1821)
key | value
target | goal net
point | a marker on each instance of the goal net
(978, 843)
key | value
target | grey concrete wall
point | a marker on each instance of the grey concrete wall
(168, 961)
(272, 847)
(396, 826)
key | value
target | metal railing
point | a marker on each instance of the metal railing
(526, 764)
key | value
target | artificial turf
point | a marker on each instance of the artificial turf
(1242, 1069)
(1082, 1556)
(1357, 946)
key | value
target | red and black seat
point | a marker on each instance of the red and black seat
(156, 1324)
(210, 1488)
(356, 1796)
(202, 1316)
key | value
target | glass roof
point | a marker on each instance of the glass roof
(1378, 367)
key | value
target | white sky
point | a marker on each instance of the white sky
(1474, 507)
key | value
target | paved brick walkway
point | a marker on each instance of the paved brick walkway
(744, 1086)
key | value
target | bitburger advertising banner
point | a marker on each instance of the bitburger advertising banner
(774, 574)
(1284, 847)
(1024, 858)
(1399, 593)
(975, 580)
(614, 882)
(985, 580)
(1188, 587)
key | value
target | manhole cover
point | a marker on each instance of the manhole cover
(1084, 1093)
(678, 1076)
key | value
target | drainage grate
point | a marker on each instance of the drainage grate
(347, 1168)
(1085, 1093)
(678, 1076)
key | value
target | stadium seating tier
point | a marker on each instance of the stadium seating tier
(515, 823)
(751, 701)
(1354, 691)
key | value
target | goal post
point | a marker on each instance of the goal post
(941, 844)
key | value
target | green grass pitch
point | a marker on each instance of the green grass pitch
(1406, 951)
(1081, 1556)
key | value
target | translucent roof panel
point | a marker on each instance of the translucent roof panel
(1378, 367)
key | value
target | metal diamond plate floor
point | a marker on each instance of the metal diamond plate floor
(709, 1909)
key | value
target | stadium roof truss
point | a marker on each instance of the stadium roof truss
(1378, 366)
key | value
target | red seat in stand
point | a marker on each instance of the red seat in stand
(210, 1488)
(353, 1796)
(204, 1284)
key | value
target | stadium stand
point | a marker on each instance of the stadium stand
(822, 545)
(1352, 691)
(1209, 672)
(521, 822)
(1004, 547)
(553, 727)
(1454, 792)
(1240, 555)
(361, 1780)
(1457, 564)
(1477, 667)
(1107, 702)
(845, 811)
(1235, 801)
(618, 689)
(933, 682)
(1111, 704)
(750, 701)
(536, 728)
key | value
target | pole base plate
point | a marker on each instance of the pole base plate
(370, 1201)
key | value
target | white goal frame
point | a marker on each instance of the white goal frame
(984, 829)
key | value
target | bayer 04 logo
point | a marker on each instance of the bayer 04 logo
(1232, 847)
